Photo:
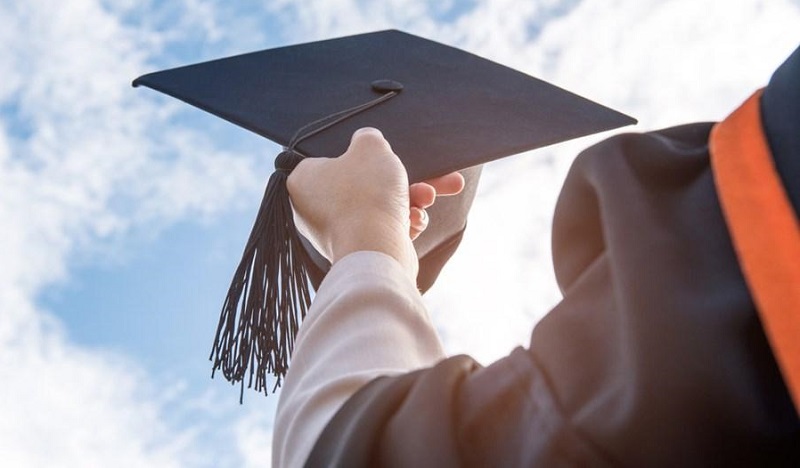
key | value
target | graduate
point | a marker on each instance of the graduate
(677, 342)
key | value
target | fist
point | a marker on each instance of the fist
(362, 201)
(358, 201)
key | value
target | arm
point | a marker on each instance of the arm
(367, 318)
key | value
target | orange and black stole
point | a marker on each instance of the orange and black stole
(765, 231)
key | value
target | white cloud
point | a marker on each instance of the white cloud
(254, 438)
(671, 62)
(91, 142)
(321, 19)
(67, 407)
(84, 159)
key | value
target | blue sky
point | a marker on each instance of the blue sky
(123, 212)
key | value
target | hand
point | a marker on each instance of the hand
(362, 201)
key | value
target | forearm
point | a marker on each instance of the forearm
(366, 320)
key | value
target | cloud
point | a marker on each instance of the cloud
(254, 439)
(64, 406)
(86, 160)
(671, 62)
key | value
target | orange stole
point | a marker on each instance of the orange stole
(765, 231)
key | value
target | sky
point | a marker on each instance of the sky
(123, 212)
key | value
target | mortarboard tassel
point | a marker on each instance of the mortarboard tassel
(270, 288)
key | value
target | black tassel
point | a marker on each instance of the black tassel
(270, 290)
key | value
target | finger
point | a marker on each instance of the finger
(421, 195)
(450, 184)
(419, 222)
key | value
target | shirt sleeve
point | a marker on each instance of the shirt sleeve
(367, 320)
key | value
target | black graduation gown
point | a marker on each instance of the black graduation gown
(655, 357)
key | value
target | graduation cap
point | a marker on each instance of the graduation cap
(442, 109)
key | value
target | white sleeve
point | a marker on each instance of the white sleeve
(366, 320)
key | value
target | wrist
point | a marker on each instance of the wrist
(387, 236)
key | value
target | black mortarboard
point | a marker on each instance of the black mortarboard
(441, 108)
